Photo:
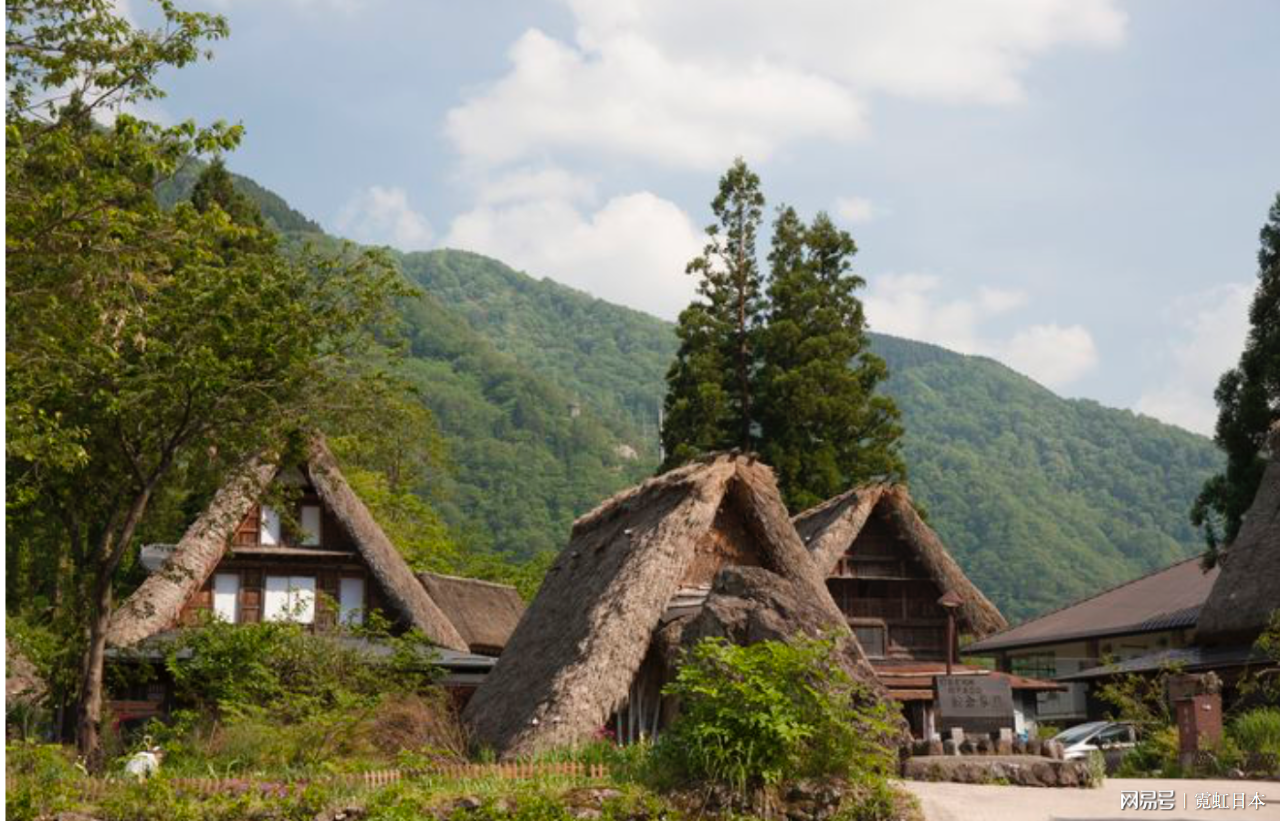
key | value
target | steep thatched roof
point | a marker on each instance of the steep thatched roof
(484, 613)
(157, 603)
(833, 526)
(1248, 587)
(571, 661)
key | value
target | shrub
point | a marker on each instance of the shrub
(40, 780)
(1257, 731)
(1155, 756)
(756, 716)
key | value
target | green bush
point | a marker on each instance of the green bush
(1257, 731)
(1155, 756)
(276, 698)
(757, 716)
(40, 780)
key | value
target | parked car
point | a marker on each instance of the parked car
(1114, 739)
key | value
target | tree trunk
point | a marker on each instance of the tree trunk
(89, 727)
(110, 551)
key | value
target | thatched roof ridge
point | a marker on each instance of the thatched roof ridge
(484, 613)
(1246, 591)
(831, 527)
(571, 660)
(384, 560)
(157, 603)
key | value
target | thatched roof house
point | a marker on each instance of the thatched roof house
(637, 568)
(832, 532)
(484, 613)
(1247, 590)
(158, 603)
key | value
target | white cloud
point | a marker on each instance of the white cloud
(1051, 354)
(383, 216)
(1211, 330)
(857, 209)
(693, 83)
(632, 250)
(633, 99)
(544, 183)
(911, 305)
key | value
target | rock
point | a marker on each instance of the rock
(934, 746)
(1019, 746)
(1035, 746)
(968, 747)
(1052, 749)
(750, 604)
(985, 746)
(950, 747)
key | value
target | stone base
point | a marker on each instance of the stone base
(1017, 770)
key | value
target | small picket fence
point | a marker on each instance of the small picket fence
(374, 779)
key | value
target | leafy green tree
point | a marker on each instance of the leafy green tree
(697, 418)
(823, 426)
(214, 186)
(145, 345)
(765, 714)
(711, 384)
(1248, 398)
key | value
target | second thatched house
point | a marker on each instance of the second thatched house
(707, 549)
(889, 573)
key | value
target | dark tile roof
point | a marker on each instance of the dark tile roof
(1187, 659)
(1167, 599)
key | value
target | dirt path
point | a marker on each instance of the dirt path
(971, 802)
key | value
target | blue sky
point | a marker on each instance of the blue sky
(1073, 187)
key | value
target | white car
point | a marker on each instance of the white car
(1114, 739)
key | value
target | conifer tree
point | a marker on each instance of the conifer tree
(710, 385)
(823, 427)
(1248, 398)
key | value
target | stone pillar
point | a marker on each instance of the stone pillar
(1197, 703)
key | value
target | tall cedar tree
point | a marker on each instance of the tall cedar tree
(823, 427)
(1248, 398)
(710, 384)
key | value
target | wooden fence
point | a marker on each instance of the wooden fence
(510, 771)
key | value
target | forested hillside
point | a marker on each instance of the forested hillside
(548, 399)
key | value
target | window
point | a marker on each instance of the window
(269, 527)
(226, 597)
(310, 522)
(351, 601)
(871, 639)
(1040, 665)
(290, 598)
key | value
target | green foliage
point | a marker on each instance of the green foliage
(1097, 763)
(760, 715)
(824, 427)
(787, 373)
(1154, 756)
(1248, 399)
(275, 697)
(39, 780)
(1257, 731)
(1140, 699)
(1042, 500)
(150, 350)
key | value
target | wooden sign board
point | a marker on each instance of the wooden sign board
(979, 704)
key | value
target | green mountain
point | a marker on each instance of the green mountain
(548, 398)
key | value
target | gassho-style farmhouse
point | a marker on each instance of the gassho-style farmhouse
(705, 550)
